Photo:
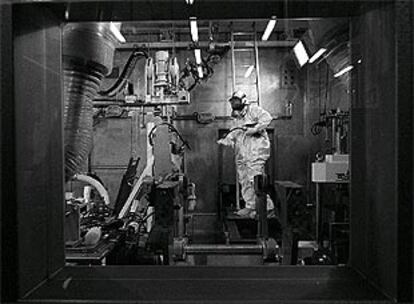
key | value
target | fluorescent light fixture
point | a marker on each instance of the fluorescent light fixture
(197, 55)
(249, 71)
(115, 28)
(300, 53)
(194, 29)
(317, 55)
(189, 2)
(200, 71)
(343, 71)
(269, 28)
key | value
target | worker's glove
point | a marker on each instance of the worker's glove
(224, 141)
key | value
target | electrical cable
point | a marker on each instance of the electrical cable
(171, 128)
(125, 74)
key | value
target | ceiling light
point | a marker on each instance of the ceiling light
(317, 55)
(249, 71)
(194, 29)
(115, 29)
(300, 53)
(190, 2)
(200, 71)
(269, 28)
(197, 55)
(343, 71)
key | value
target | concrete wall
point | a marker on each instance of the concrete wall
(38, 138)
(381, 227)
(8, 239)
(374, 152)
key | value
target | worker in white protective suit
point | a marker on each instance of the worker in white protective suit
(251, 145)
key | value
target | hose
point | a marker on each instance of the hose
(125, 74)
(97, 185)
(317, 127)
(232, 130)
(171, 128)
(239, 128)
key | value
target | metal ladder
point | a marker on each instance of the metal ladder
(244, 55)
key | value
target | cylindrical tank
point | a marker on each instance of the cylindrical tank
(88, 52)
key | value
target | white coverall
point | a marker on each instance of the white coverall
(252, 148)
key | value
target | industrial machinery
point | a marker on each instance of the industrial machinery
(154, 207)
(150, 226)
(330, 174)
(162, 76)
(142, 227)
(148, 222)
(334, 166)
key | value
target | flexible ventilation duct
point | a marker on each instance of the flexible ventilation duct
(332, 34)
(88, 52)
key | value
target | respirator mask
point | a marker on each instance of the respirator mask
(237, 108)
(238, 103)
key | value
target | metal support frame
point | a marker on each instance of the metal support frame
(127, 47)
(284, 190)
(261, 206)
(264, 245)
(318, 211)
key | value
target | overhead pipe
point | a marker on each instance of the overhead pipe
(267, 248)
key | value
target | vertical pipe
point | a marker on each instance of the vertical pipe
(233, 63)
(317, 215)
(333, 136)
